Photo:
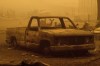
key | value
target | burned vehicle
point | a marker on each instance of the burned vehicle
(51, 34)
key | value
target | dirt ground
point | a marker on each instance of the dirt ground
(14, 56)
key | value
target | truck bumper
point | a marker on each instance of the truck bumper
(73, 47)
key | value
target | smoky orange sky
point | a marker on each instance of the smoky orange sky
(75, 9)
(26, 5)
(50, 6)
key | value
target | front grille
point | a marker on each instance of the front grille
(74, 40)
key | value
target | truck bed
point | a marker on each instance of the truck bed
(17, 31)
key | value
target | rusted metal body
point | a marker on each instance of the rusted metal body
(53, 33)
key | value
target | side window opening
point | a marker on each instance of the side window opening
(68, 24)
(50, 23)
(34, 25)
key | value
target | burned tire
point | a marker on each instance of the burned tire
(13, 41)
(45, 47)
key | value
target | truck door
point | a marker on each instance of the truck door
(32, 34)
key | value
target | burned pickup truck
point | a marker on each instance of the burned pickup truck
(51, 34)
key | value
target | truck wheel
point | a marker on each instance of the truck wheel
(46, 51)
(45, 47)
(13, 41)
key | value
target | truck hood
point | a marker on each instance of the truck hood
(67, 32)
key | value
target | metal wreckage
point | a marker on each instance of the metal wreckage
(49, 34)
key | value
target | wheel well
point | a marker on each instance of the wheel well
(12, 38)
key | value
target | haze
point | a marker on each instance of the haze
(38, 4)
(27, 8)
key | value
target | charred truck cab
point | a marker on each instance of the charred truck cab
(52, 34)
